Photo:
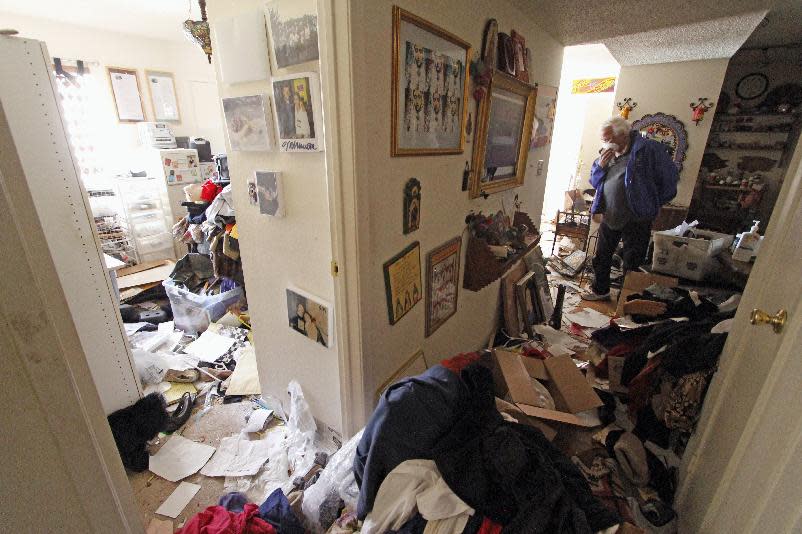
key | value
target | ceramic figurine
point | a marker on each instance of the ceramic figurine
(625, 107)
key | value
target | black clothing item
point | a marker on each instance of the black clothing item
(134, 426)
(511, 473)
(650, 428)
(678, 304)
(635, 235)
(610, 336)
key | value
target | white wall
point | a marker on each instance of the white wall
(295, 250)
(380, 181)
(576, 128)
(194, 79)
(670, 88)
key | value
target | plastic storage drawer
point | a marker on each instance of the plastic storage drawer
(193, 313)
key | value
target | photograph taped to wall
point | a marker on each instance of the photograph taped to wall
(430, 74)
(402, 279)
(232, 35)
(545, 111)
(442, 284)
(293, 31)
(309, 316)
(247, 123)
(125, 89)
(269, 193)
(162, 96)
(298, 112)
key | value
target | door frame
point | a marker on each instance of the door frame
(701, 517)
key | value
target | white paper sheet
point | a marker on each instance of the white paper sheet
(245, 378)
(131, 328)
(257, 420)
(588, 317)
(237, 457)
(209, 346)
(558, 338)
(179, 458)
(178, 499)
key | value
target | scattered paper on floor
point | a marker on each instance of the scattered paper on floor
(209, 346)
(245, 378)
(588, 317)
(257, 420)
(557, 338)
(236, 456)
(178, 499)
(179, 458)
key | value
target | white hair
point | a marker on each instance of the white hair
(617, 124)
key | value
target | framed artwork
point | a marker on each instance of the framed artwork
(232, 35)
(411, 206)
(309, 316)
(585, 86)
(247, 123)
(402, 281)
(125, 89)
(293, 31)
(269, 193)
(503, 132)
(430, 88)
(298, 112)
(668, 130)
(545, 111)
(519, 55)
(161, 86)
(442, 284)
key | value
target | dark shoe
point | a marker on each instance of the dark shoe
(181, 414)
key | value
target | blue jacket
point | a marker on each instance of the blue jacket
(650, 180)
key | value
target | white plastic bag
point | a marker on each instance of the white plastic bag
(150, 366)
(301, 428)
(336, 478)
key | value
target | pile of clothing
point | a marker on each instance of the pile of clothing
(235, 515)
(437, 456)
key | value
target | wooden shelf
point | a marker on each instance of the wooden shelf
(774, 114)
(482, 267)
(756, 149)
(727, 188)
(751, 132)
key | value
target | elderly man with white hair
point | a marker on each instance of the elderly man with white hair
(633, 177)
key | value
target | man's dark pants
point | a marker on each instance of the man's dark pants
(635, 236)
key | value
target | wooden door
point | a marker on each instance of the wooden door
(741, 471)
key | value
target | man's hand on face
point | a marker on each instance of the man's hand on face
(605, 157)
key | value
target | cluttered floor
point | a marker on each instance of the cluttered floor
(573, 422)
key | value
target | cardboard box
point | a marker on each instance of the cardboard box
(636, 281)
(628, 528)
(688, 257)
(574, 399)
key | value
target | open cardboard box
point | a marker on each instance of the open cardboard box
(574, 399)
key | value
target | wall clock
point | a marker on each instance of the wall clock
(752, 86)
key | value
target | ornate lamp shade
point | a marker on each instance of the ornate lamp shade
(197, 31)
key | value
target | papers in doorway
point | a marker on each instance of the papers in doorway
(245, 378)
(178, 499)
(257, 421)
(209, 346)
(179, 458)
(588, 318)
(237, 457)
(556, 338)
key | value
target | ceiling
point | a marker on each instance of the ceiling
(158, 19)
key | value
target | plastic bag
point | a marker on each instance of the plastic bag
(336, 479)
(545, 400)
(150, 366)
(273, 475)
(301, 428)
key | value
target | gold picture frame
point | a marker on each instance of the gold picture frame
(510, 120)
(161, 102)
(438, 109)
(124, 90)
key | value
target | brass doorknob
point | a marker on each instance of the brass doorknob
(777, 321)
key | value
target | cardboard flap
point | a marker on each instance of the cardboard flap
(561, 417)
(635, 282)
(516, 377)
(535, 368)
(574, 392)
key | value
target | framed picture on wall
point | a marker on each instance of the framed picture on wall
(269, 193)
(402, 280)
(298, 112)
(503, 133)
(293, 31)
(247, 122)
(127, 99)
(309, 316)
(430, 87)
(161, 86)
(442, 284)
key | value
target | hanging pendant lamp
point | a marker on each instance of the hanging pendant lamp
(197, 31)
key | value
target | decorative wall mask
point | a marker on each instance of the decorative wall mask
(669, 131)
(411, 206)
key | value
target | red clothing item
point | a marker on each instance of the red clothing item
(209, 190)
(460, 361)
(218, 520)
(489, 527)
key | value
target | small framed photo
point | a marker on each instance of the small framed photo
(430, 87)
(268, 192)
(402, 281)
(247, 122)
(161, 86)
(442, 284)
(293, 31)
(309, 316)
(298, 112)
